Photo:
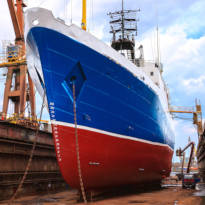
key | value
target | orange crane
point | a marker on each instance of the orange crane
(17, 69)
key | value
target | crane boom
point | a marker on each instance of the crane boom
(17, 18)
(196, 111)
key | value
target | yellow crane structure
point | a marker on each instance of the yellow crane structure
(194, 110)
(14, 59)
(18, 87)
(197, 120)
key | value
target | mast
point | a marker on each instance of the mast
(158, 55)
(123, 25)
(83, 25)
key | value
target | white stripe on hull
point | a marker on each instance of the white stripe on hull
(54, 122)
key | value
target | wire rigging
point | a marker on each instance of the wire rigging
(158, 36)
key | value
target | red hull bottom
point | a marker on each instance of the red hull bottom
(108, 161)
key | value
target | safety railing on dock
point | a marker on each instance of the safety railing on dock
(182, 109)
(14, 118)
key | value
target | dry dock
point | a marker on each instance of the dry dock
(44, 176)
(165, 196)
(15, 147)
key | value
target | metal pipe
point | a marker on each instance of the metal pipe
(190, 157)
(191, 143)
(183, 163)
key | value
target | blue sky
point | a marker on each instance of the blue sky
(182, 42)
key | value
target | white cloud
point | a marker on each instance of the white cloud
(175, 47)
(185, 130)
(195, 84)
(184, 59)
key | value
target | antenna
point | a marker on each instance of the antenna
(124, 27)
(158, 57)
(122, 5)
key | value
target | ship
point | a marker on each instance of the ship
(109, 110)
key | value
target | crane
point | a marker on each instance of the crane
(15, 61)
(194, 110)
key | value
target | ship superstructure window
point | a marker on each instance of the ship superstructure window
(151, 73)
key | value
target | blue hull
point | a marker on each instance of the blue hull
(109, 97)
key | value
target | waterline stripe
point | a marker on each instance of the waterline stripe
(54, 122)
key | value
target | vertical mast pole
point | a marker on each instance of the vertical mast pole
(83, 25)
(158, 48)
(123, 35)
(158, 57)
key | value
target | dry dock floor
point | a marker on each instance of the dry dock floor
(165, 196)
